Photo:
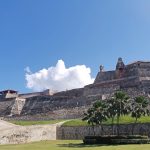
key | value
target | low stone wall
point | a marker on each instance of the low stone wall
(74, 133)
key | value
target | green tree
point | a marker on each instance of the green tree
(121, 105)
(97, 114)
(89, 116)
(139, 107)
(101, 114)
(111, 112)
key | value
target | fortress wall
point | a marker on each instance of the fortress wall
(105, 76)
(144, 65)
(6, 106)
(100, 89)
(138, 69)
(28, 95)
(129, 72)
(144, 72)
(145, 85)
(78, 133)
(70, 113)
(111, 86)
(57, 107)
(108, 88)
(61, 107)
(44, 109)
(134, 69)
(134, 92)
(47, 104)
(71, 93)
(139, 64)
(130, 82)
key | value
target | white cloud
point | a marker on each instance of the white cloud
(59, 78)
(27, 70)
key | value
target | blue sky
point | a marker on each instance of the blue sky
(38, 33)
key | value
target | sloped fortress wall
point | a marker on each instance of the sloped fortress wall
(58, 106)
(6, 106)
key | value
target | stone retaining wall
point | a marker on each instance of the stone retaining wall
(74, 133)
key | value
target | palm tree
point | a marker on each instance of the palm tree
(139, 108)
(101, 114)
(111, 112)
(121, 105)
(89, 116)
(97, 114)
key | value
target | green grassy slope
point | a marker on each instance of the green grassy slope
(123, 120)
(26, 123)
(71, 145)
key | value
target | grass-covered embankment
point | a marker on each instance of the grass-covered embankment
(123, 120)
(43, 122)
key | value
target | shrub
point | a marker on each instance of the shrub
(130, 139)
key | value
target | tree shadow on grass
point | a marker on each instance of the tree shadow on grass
(82, 145)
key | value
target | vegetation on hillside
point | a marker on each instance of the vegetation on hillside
(115, 107)
(123, 120)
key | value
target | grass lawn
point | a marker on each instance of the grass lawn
(71, 145)
(27, 123)
(123, 120)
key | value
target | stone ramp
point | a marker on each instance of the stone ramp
(6, 125)
(14, 134)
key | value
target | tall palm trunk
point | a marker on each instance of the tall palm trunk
(118, 118)
(112, 125)
(101, 128)
(93, 129)
(134, 124)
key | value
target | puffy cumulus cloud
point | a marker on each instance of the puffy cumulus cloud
(59, 78)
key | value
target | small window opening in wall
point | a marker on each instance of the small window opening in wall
(138, 64)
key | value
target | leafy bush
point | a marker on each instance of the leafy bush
(130, 139)
(117, 137)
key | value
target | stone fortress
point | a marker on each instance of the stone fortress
(133, 78)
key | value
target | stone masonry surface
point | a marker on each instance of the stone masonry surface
(78, 133)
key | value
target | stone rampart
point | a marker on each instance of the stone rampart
(6, 106)
(71, 93)
(78, 133)
(95, 90)
(28, 95)
(105, 76)
(50, 103)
